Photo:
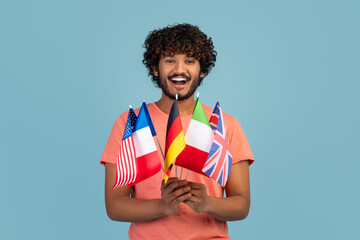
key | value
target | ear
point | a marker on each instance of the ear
(202, 75)
(155, 71)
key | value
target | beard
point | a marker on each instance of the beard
(162, 84)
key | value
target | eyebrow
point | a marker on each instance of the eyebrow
(187, 56)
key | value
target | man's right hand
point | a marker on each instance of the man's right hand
(173, 193)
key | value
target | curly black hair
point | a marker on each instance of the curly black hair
(179, 38)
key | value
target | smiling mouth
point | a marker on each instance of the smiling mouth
(179, 80)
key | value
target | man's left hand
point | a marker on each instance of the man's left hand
(199, 199)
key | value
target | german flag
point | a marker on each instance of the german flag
(175, 140)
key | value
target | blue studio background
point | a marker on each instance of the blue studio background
(287, 70)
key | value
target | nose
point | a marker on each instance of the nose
(179, 67)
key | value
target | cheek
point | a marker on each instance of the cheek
(196, 71)
(164, 72)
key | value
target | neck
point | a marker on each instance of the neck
(186, 107)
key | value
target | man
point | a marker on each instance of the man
(178, 58)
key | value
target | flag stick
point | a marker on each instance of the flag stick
(181, 172)
(175, 170)
(162, 154)
(187, 174)
(176, 97)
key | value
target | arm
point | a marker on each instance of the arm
(237, 203)
(120, 207)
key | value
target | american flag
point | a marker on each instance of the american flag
(219, 161)
(126, 162)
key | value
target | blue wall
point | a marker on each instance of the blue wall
(287, 70)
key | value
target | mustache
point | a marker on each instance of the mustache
(180, 75)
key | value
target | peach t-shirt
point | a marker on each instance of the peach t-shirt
(185, 224)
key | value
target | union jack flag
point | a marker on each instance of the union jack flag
(126, 162)
(219, 161)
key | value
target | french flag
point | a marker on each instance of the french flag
(147, 158)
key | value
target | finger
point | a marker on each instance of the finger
(162, 185)
(174, 185)
(197, 193)
(181, 198)
(170, 180)
(180, 191)
(173, 193)
(194, 185)
(189, 202)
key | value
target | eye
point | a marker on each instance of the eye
(190, 61)
(169, 60)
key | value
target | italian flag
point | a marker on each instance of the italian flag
(198, 138)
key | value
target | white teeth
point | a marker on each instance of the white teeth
(178, 79)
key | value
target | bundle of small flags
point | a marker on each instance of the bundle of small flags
(206, 141)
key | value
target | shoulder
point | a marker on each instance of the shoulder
(121, 120)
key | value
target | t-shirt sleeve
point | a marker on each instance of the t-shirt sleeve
(239, 145)
(112, 147)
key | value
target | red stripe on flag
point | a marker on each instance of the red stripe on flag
(168, 172)
(133, 158)
(147, 166)
(126, 157)
(123, 163)
(126, 168)
(192, 159)
(130, 160)
(174, 130)
(214, 119)
(117, 172)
